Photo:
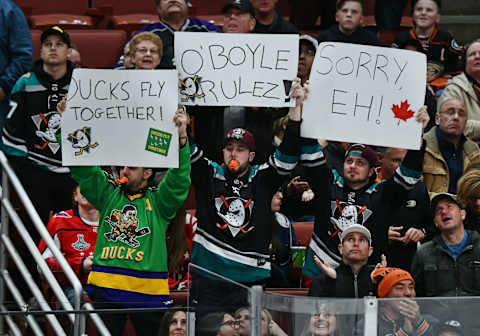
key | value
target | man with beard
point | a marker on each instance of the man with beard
(357, 198)
(233, 210)
(129, 267)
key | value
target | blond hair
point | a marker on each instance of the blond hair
(146, 36)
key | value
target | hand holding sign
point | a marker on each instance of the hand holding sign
(180, 120)
(62, 105)
(423, 117)
(299, 93)
(123, 118)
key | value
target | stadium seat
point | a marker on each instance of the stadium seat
(65, 21)
(123, 14)
(70, 14)
(100, 49)
(40, 7)
(386, 37)
(124, 7)
(202, 7)
(36, 42)
(132, 22)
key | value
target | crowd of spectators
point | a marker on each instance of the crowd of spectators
(389, 222)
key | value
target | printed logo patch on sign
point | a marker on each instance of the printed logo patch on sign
(158, 142)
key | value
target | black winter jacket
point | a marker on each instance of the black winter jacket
(437, 273)
(346, 285)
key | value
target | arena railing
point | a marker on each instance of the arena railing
(369, 316)
(9, 215)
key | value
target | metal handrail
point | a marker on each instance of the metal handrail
(7, 213)
(97, 320)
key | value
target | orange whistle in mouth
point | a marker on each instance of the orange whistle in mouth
(122, 180)
(233, 164)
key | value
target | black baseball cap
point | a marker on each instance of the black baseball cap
(243, 5)
(56, 30)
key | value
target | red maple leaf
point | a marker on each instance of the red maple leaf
(402, 112)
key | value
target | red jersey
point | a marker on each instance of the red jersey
(182, 275)
(75, 239)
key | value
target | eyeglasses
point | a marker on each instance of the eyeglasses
(144, 51)
(452, 112)
(231, 323)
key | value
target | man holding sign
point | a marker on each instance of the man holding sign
(356, 198)
(234, 217)
(130, 261)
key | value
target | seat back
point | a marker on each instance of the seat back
(123, 7)
(100, 49)
(36, 7)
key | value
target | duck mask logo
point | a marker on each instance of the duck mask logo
(344, 215)
(235, 214)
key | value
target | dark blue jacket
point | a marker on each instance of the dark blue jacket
(16, 49)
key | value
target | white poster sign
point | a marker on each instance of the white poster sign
(122, 118)
(365, 94)
(236, 69)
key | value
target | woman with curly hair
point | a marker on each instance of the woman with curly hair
(146, 50)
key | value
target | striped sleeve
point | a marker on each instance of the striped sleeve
(311, 154)
(286, 157)
(410, 171)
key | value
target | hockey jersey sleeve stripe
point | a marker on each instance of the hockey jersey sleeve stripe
(407, 172)
(34, 88)
(322, 250)
(312, 160)
(9, 136)
(12, 149)
(212, 240)
(403, 176)
(130, 272)
(195, 153)
(229, 255)
(282, 168)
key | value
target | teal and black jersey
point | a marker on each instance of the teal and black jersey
(33, 119)
(234, 226)
(337, 206)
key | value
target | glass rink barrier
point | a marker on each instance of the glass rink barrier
(227, 308)
(96, 318)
